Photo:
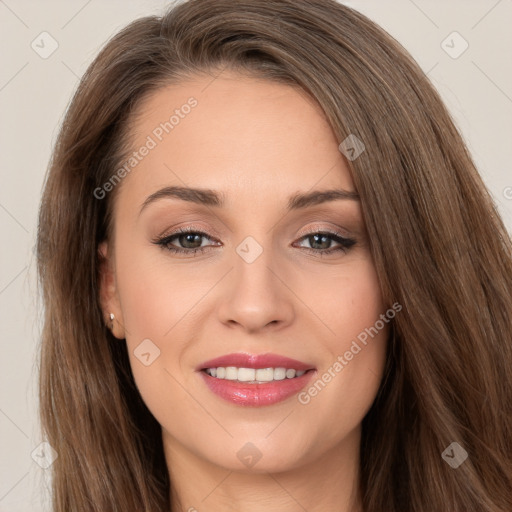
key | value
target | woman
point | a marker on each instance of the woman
(273, 277)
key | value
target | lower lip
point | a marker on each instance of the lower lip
(256, 395)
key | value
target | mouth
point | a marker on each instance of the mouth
(255, 380)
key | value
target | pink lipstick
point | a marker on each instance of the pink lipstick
(255, 380)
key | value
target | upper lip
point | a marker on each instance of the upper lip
(244, 360)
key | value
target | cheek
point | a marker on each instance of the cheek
(158, 305)
(152, 298)
(152, 306)
(350, 304)
(348, 382)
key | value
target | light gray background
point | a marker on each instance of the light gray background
(34, 93)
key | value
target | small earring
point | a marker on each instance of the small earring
(112, 320)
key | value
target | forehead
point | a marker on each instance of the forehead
(249, 138)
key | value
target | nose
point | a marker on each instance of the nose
(256, 296)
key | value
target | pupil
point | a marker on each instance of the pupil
(326, 241)
(189, 237)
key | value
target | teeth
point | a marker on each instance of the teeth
(289, 374)
(264, 374)
(231, 373)
(279, 373)
(252, 375)
(246, 374)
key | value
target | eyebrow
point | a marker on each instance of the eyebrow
(208, 197)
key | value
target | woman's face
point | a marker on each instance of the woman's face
(273, 276)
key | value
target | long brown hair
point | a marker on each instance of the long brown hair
(438, 243)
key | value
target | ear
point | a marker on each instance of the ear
(109, 298)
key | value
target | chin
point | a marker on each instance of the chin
(257, 455)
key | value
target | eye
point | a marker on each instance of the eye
(191, 241)
(321, 242)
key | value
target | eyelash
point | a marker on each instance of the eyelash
(164, 242)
